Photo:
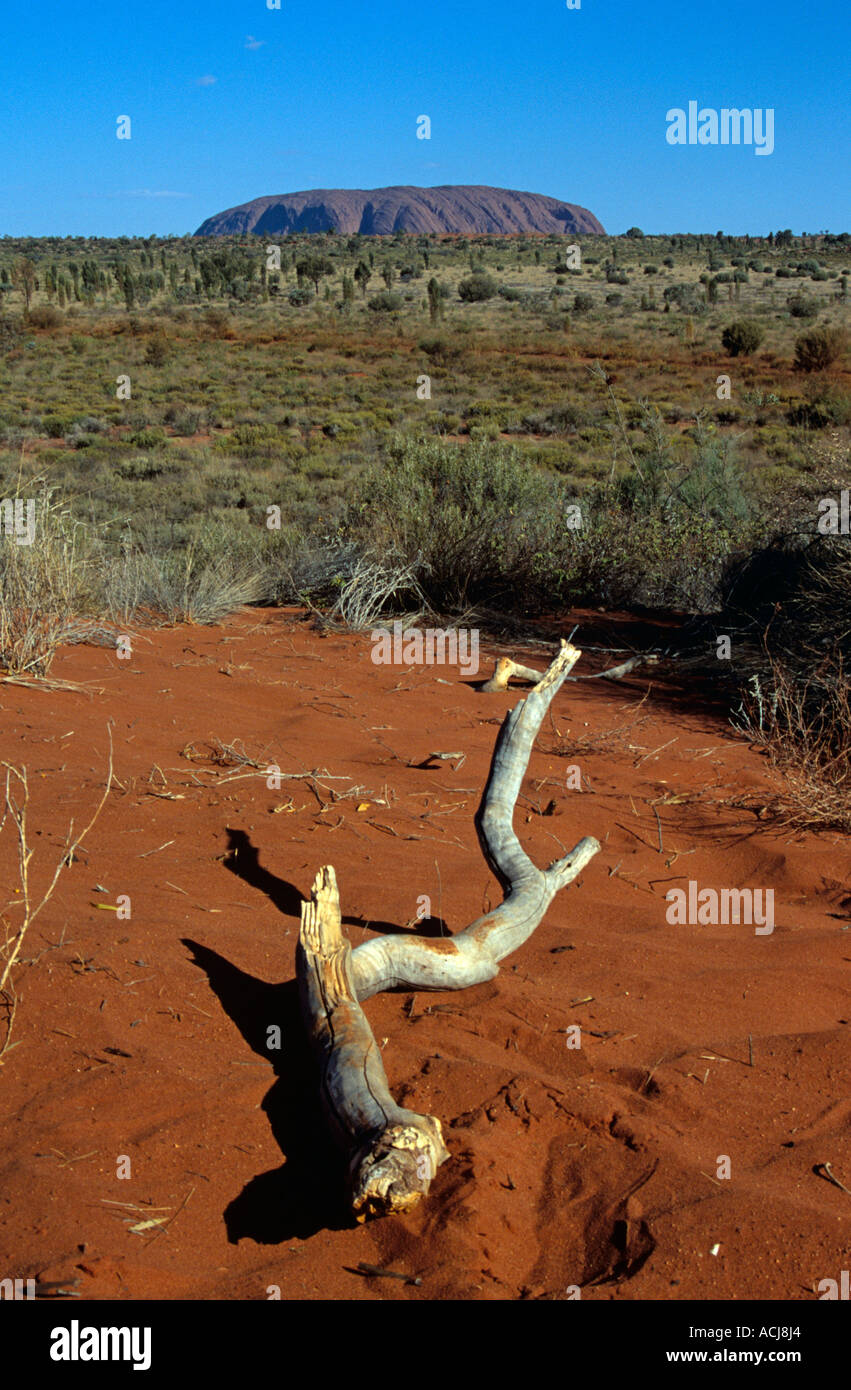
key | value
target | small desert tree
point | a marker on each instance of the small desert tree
(313, 268)
(24, 278)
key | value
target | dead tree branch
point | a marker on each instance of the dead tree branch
(395, 1153)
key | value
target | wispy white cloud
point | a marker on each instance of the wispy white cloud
(150, 193)
(206, 81)
(252, 43)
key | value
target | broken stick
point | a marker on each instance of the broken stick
(506, 670)
(394, 1153)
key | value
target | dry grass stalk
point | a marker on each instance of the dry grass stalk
(803, 726)
(16, 809)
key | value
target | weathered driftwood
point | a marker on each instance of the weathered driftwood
(395, 1153)
(506, 670)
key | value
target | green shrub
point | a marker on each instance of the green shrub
(802, 306)
(156, 353)
(742, 337)
(474, 521)
(55, 427)
(386, 302)
(185, 421)
(686, 296)
(443, 352)
(218, 320)
(146, 438)
(478, 287)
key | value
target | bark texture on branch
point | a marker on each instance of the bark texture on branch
(394, 1153)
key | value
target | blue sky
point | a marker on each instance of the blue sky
(230, 100)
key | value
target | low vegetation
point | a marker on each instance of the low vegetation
(410, 423)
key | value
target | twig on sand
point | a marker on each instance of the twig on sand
(17, 810)
(380, 1273)
(827, 1172)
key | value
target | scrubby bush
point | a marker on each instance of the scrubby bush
(443, 352)
(474, 521)
(818, 349)
(218, 320)
(44, 316)
(791, 603)
(203, 583)
(146, 438)
(742, 337)
(477, 288)
(156, 353)
(385, 303)
(481, 524)
(55, 427)
(686, 296)
(802, 306)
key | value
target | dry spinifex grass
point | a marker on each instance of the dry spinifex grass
(804, 725)
(16, 809)
(570, 744)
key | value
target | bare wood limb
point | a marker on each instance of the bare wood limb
(394, 1153)
(473, 955)
(506, 670)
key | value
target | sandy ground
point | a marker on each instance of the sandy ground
(141, 1039)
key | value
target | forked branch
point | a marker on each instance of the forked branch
(394, 1153)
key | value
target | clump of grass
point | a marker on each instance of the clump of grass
(48, 587)
(202, 584)
(306, 568)
(375, 587)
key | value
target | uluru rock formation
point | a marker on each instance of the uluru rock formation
(453, 209)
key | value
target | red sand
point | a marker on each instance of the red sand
(598, 1167)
